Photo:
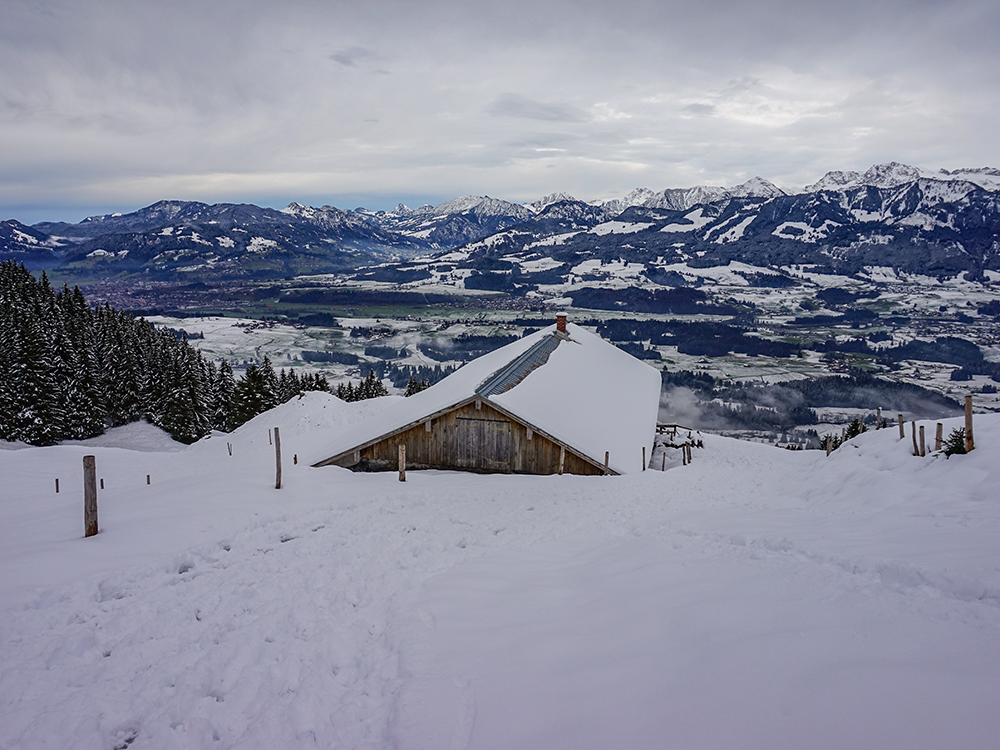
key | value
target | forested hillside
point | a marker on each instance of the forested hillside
(68, 372)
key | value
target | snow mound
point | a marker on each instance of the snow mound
(315, 411)
(137, 436)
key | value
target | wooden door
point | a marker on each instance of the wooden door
(483, 444)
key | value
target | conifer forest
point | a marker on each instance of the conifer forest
(68, 372)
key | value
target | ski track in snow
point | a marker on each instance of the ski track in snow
(308, 617)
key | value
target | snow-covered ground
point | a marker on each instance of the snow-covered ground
(756, 598)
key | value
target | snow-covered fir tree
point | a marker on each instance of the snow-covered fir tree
(70, 372)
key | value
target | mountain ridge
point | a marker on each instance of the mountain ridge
(948, 221)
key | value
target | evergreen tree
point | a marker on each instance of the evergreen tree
(254, 394)
(67, 371)
(855, 428)
(183, 412)
(369, 387)
(954, 444)
(415, 386)
(225, 385)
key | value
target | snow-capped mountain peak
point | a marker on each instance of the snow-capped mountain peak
(836, 180)
(987, 178)
(460, 204)
(894, 174)
(297, 209)
(681, 199)
(756, 187)
(890, 175)
(401, 210)
(548, 200)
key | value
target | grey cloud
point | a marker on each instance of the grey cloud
(746, 83)
(544, 140)
(354, 57)
(125, 98)
(515, 105)
(700, 109)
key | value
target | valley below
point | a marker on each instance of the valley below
(728, 369)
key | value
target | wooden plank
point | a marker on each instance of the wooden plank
(89, 496)
(970, 443)
(277, 459)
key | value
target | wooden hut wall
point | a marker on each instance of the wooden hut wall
(483, 439)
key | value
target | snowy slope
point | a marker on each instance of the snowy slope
(756, 598)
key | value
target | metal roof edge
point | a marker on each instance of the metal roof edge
(520, 367)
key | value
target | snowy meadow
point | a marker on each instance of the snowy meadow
(756, 598)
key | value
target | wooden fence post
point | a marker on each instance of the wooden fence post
(147, 479)
(277, 459)
(913, 434)
(938, 436)
(663, 460)
(402, 462)
(89, 496)
(878, 418)
(229, 447)
(644, 458)
(902, 433)
(970, 443)
(923, 445)
(57, 485)
(269, 438)
(295, 458)
(607, 456)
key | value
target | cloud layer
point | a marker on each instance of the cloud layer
(114, 105)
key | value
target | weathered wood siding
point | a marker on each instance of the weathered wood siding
(483, 440)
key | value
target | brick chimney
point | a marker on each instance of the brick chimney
(561, 322)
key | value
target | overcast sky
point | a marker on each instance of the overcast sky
(112, 105)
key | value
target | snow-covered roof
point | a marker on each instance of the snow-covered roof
(577, 388)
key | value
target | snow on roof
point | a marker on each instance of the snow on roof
(579, 389)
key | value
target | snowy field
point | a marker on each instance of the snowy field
(756, 598)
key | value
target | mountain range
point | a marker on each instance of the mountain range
(895, 215)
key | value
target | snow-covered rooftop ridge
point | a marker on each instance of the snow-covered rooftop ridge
(587, 393)
(520, 367)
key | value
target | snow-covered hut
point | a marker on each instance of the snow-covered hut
(554, 401)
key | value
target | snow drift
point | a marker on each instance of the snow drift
(754, 598)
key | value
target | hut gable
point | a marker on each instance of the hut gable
(552, 399)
